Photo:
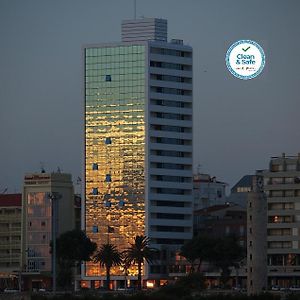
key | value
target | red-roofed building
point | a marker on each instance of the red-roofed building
(8, 200)
(10, 235)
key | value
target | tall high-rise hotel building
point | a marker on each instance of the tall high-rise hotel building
(138, 144)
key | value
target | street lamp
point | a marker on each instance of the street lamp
(53, 197)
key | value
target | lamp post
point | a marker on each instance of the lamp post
(53, 197)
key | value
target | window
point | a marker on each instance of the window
(107, 204)
(279, 231)
(170, 216)
(108, 178)
(95, 166)
(108, 78)
(291, 167)
(280, 219)
(227, 230)
(108, 141)
(95, 191)
(242, 230)
(95, 229)
(280, 245)
(276, 180)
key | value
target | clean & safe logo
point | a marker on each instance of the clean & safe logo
(245, 59)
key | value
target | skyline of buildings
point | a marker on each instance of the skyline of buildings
(139, 160)
(282, 261)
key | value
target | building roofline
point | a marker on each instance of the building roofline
(11, 200)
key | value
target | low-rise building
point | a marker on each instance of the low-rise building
(208, 191)
(48, 211)
(10, 237)
(222, 220)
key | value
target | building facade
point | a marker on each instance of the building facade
(10, 237)
(239, 192)
(47, 198)
(208, 191)
(222, 220)
(282, 187)
(138, 144)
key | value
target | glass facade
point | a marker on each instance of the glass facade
(114, 147)
(38, 231)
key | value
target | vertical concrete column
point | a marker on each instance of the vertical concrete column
(256, 242)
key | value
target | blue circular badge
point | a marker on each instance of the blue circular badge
(245, 59)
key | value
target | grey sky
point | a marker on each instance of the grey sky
(238, 124)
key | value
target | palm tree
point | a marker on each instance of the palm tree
(108, 256)
(137, 253)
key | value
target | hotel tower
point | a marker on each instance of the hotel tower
(138, 147)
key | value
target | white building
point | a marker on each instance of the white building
(208, 191)
(282, 187)
(138, 144)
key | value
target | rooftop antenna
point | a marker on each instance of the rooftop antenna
(134, 3)
(3, 191)
(198, 169)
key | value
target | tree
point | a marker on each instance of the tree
(222, 252)
(190, 253)
(75, 246)
(108, 256)
(225, 254)
(197, 250)
(137, 253)
(72, 247)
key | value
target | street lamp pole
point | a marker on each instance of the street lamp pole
(54, 197)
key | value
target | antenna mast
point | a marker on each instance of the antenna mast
(134, 3)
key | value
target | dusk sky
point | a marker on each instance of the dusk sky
(238, 125)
